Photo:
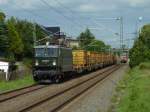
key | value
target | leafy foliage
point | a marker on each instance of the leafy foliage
(88, 42)
(2, 17)
(141, 49)
(86, 38)
(3, 37)
(96, 45)
(16, 37)
(15, 43)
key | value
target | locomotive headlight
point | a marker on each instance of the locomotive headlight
(36, 63)
(54, 63)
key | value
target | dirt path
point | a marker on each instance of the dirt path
(97, 99)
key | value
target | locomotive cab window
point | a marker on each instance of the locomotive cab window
(39, 52)
(46, 52)
(52, 52)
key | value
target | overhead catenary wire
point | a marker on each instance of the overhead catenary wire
(55, 11)
(72, 12)
(37, 15)
(69, 10)
(59, 12)
(103, 27)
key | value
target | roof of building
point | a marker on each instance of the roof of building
(53, 29)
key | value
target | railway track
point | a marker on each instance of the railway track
(53, 97)
(18, 92)
(57, 101)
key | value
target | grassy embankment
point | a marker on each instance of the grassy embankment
(11, 85)
(133, 93)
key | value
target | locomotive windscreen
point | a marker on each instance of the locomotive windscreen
(46, 52)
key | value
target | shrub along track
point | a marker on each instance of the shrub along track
(57, 96)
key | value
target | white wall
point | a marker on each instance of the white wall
(4, 66)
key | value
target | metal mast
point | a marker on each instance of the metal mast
(34, 34)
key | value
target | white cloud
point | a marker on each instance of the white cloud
(17, 4)
(87, 8)
(80, 5)
(95, 7)
(138, 3)
(83, 6)
(2, 2)
(35, 4)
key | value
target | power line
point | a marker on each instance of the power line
(103, 27)
(53, 9)
(72, 12)
(35, 14)
(67, 8)
(59, 12)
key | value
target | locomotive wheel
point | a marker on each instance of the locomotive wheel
(58, 79)
(35, 79)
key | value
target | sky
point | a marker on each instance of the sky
(74, 16)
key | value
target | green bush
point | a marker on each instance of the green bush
(141, 48)
(27, 62)
(145, 65)
(135, 96)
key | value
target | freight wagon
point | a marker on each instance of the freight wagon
(54, 62)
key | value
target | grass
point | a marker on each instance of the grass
(11, 85)
(27, 62)
(134, 90)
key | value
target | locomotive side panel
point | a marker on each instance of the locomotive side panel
(66, 59)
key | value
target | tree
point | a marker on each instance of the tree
(25, 30)
(2, 17)
(3, 35)
(16, 37)
(96, 45)
(141, 48)
(15, 43)
(145, 35)
(86, 38)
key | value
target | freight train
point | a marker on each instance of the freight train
(124, 58)
(54, 62)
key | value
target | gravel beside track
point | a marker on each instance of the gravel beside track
(98, 98)
(25, 101)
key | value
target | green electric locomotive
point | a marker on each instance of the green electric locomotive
(52, 62)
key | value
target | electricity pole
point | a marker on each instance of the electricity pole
(34, 34)
(137, 30)
(120, 19)
(121, 34)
